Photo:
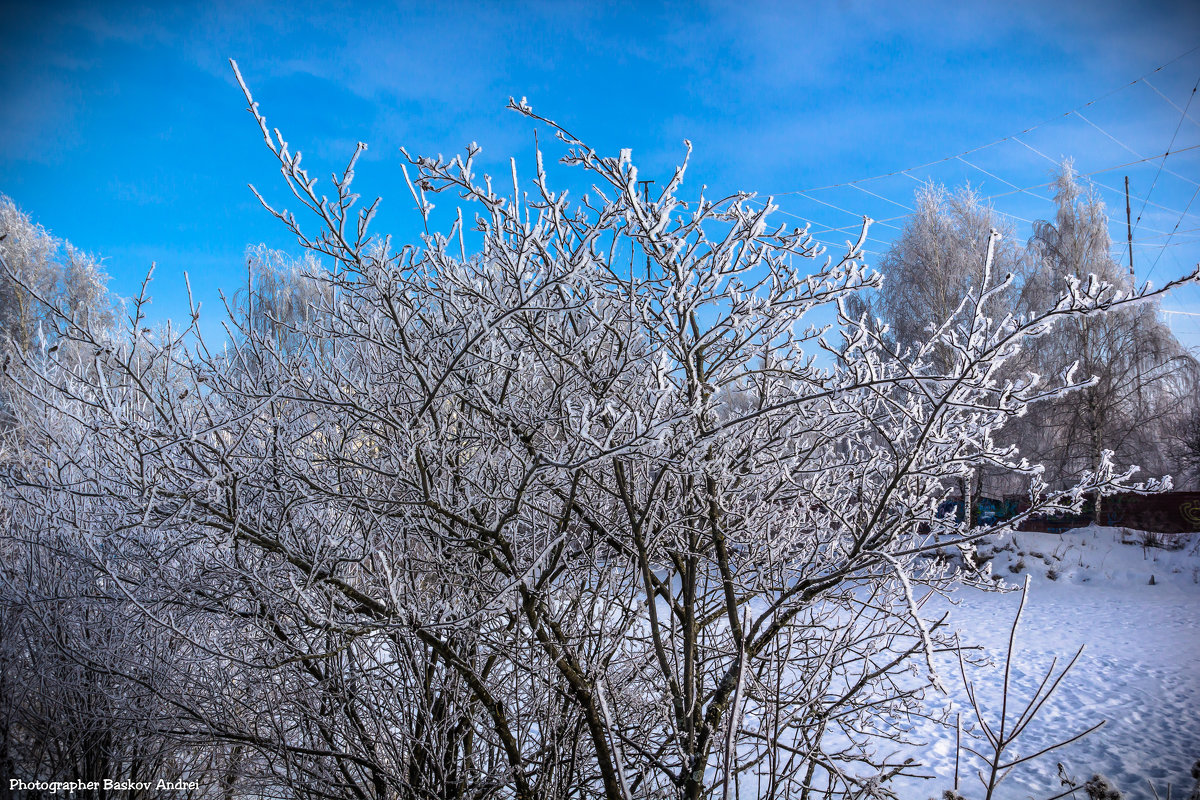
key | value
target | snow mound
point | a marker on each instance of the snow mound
(1097, 556)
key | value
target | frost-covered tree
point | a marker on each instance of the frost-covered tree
(80, 667)
(41, 266)
(29, 248)
(282, 294)
(1142, 376)
(945, 255)
(40, 273)
(939, 258)
(507, 521)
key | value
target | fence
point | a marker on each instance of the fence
(1167, 512)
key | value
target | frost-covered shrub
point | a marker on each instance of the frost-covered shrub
(495, 514)
(1099, 787)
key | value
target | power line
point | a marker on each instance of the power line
(1171, 102)
(1142, 160)
(1165, 234)
(1028, 190)
(881, 197)
(1181, 216)
(1015, 190)
(1107, 169)
(843, 210)
(1002, 180)
(1192, 242)
(997, 141)
(1135, 152)
(1183, 115)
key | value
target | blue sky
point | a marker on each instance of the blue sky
(122, 129)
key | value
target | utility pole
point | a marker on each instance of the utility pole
(1137, 339)
(1129, 231)
(646, 197)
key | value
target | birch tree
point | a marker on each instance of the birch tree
(939, 258)
(1141, 376)
(51, 268)
(933, 269)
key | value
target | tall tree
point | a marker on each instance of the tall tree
(42, 270)
(948, 255)
(1141, 375)
(282, 294)
(938, 260)
(79, 670)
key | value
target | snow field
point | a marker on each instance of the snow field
(1140, 669)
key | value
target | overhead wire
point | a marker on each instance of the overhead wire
(1031, 190)
(1183, 115)
(1181, 216)
(967, 152)
(1102, 170)
(1028, 190)
(1135, 152)
(1172, 103)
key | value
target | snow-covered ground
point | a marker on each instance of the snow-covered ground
(1140, 669)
